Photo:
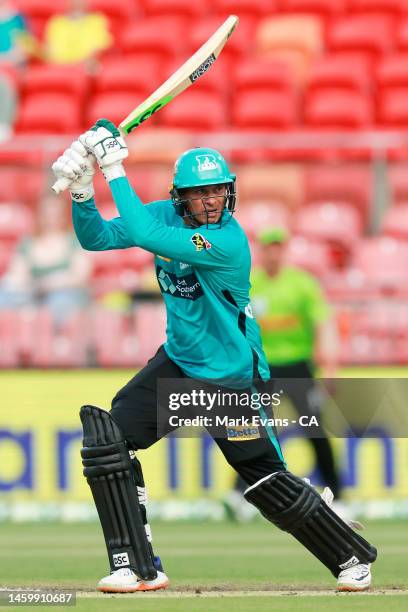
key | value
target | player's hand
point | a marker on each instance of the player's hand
(76, 165)
(105, 142)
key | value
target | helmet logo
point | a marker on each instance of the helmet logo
(206, 162)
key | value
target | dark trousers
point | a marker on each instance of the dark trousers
(298, 384)
(134, 408)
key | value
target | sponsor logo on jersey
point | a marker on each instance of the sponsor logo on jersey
(183, 265)
(200, 242)
(206, 162)
(186, 287)
(242, 433)
(120, 559)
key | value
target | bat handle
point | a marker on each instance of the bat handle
(61, 185)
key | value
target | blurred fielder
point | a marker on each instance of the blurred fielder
(202, 264)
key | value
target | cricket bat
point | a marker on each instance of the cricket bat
(197, 65)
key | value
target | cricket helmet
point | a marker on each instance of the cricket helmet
(199, 167)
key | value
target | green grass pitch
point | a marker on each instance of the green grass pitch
(210, 565)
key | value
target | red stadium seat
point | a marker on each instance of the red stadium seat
(37, 12)
(393, 7)
(119, 13)
(395, 222)
(398, 181)
(245, 9)
(369, 34)
(278, 184)
(127, 75)
(21, 184)
(150, 36)
(182, 8)
(16, 222)
(339, 183)
(260, 74)
(334, 223)
(49, 78)
(310, 255)
(392, 71)
(116, 106)
(382, 263)
(337, 109)
(338, 72)
(402, 36)
(195, 110)
(265, 110)
(323, 8)
(392, 109)
(49, 113)
(255, 216)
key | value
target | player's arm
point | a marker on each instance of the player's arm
(199, 247)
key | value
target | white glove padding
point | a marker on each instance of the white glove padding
(77, 165)
(105, 142)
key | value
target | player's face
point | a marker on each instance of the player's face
(272, 256)
(206, 203)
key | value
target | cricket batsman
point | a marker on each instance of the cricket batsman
(202, 262)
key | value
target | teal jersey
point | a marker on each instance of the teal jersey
(203, 274)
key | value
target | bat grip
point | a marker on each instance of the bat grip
(61, 185)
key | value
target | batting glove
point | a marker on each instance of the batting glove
(76, 164)
(105, 142)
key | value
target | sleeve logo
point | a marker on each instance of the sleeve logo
(200, 242)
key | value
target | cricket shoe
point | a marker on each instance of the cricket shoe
(355, 578)
(125, 580)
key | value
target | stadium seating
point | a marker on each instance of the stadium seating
(115, 105)
(256, 215)
(295, 39)
(382, 263)
(16, 222)
(336, 71)
(195, 110)
(49, 113)
(47, 78)
(265, 109)
(366, 34)
(119, 74)
(393, 107)
(151, 37)
(395, 222)
(392, 7)
(245, 9)
(182, 8)
(333, 223)
(258, 74)
(398, 179)
(280, 184)
(338, 109)
(311, 255)
(347, 183)
(37, 12)
(322, 8)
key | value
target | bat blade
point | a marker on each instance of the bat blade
(195, 67)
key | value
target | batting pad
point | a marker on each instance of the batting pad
(294, 506)
(108, 470)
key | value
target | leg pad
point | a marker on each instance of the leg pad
(294, 506)
(110, 475)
